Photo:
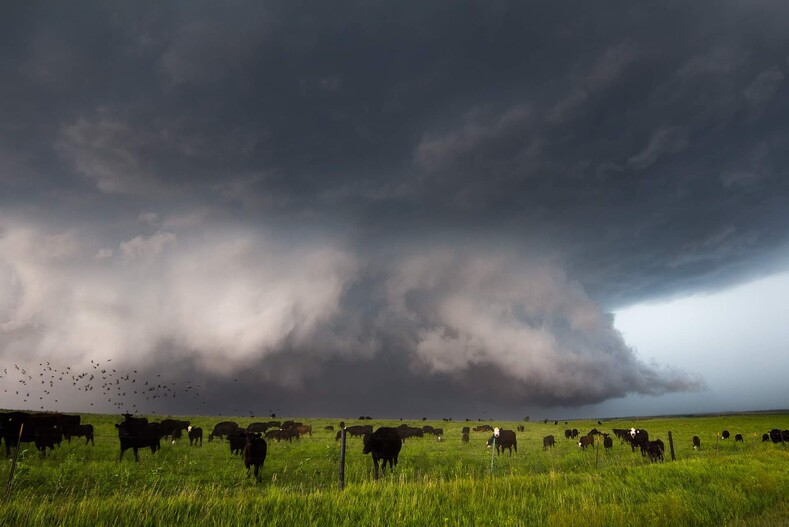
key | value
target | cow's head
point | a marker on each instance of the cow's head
(633, 433)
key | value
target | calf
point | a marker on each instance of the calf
(725, 434)
(384, 444)
(765, 438)
(696, 443)
(195, 435)
(85, 431)
(607, 441)
(655, 451)
(548, 442)
(586, 441)
(237, 440)
(568, 434)
(254, 453)
(739, 438)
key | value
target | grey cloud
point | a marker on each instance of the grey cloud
(764, 86)
(664, 141)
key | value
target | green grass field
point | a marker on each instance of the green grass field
(435, 483)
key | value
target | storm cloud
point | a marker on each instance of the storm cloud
(444, 200)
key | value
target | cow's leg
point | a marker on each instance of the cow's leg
(375, 463)
(136, 456)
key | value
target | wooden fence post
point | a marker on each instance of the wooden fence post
(342, 458)
(13, 464)
(671, 446)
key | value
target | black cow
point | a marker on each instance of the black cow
(574, 433)
(328, 427)
(775, 435)
(725, 434)
(607, 441)
(655, 451)
(464, 437)
(438, 432)
(785, 436)
(173, 428)
(355, 430)
(85, 431)
(483, 428)
(639, 438)
(507, 439)
(384, 444)
(254, 453)
(11, 423)
(258, 428)
(136, 433)
(466, 430)
(427, 429)
(222, 429)
(69, 423)
(409, 431)
(521, 428)
(195, 435)
(568, 434)
(696, 443)
(44, 430)
(238, 440)
(279, 435)
(586, 441)
(548, 441)
(739, 438)
(765, 438)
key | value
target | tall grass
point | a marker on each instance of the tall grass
(435, 483)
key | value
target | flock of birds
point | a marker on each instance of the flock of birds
(50, 386)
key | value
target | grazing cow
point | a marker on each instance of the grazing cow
(169, 427)
(483, 428)
(279, 435)
(607, 441)
(574, 433)
(136, 433)
(725, 434)
(303, 429)
(464, 437)
(85, 431)
(195, 435)
(765, 438)
(438, 432)
(586, 441)
(222, 429)
(409, 431)
(427, 429)
(255, 453)
(273, 424)
(507, 439)
(466, 430)
(785, 436)
(521, 428)
(655, 451)
(328, 427)
(775, 435)
(258, 428)
(237, 440)
(568, 434)
(356, 430)
(739, 438)
(696, 443)
(384, 444)
(548, 441)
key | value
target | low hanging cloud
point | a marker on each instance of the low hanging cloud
(524, 319)
(239, 301)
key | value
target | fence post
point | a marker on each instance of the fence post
(342, 458)
(671, 446)
(13, 464)
(493, 448)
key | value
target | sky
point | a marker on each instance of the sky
(487, 210)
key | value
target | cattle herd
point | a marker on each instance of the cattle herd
(48, 430)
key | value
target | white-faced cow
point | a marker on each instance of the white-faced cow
(506, 440)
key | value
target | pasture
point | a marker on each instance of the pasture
(435, 483)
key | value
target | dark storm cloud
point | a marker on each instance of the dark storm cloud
(248, 186)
